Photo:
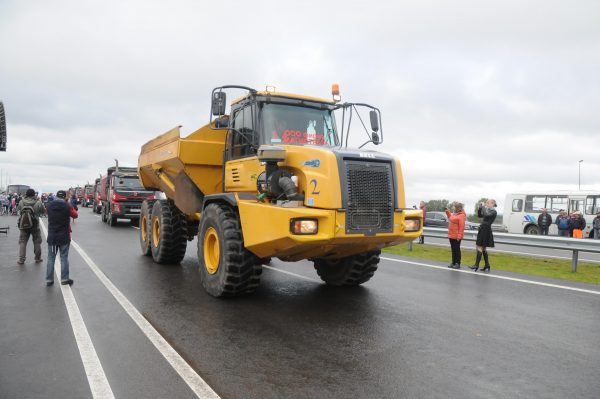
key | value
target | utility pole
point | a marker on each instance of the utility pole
(580, 161)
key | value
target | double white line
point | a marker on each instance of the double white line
(99, 384)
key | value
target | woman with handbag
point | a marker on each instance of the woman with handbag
(485, 237)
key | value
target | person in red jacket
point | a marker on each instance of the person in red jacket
(456, 231)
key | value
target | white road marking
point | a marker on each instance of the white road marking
(135, 227)
(520, 280)
(93, 368)
(292, 274)
(187, 373)
(521, 253)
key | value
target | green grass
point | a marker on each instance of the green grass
(547, 267)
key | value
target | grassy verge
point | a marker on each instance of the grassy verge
(547, 267)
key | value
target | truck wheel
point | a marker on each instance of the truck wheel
(533, 230)
(111, 219)
(227, 268)
(168, 233)
(104, 215)
(353, 270)
(145, 217)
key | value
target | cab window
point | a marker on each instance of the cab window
(242, 137)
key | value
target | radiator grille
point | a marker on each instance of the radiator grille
(370, 197)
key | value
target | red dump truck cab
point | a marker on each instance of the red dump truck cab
(123, 195)
(88, 195)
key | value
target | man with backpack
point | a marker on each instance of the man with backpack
(59, 237)
(562, 222)
(30, 209)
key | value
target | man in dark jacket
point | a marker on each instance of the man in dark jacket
(544, 222)
(59, 237)
(32, 205)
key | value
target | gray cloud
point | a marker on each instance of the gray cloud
(476, 96)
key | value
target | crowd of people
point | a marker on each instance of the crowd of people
(569, 225)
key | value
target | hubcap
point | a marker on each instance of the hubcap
(212, 251)
(155, 232)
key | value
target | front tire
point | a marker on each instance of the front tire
(168, 233)
(145, 227)
(353, 270)
(532, 230)
(227, 268)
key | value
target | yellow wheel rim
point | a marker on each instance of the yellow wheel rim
(155, 232)
(212, 251)
(144, 229)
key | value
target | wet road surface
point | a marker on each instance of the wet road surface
(412, 331)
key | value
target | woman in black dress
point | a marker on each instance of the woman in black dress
(485, 238)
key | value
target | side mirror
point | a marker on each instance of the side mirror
(219, 102)
(374, 121)
(375, 138)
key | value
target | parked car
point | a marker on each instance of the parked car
(439, 219)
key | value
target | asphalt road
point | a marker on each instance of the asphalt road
(416, 330)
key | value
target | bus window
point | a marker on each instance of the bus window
(535, 203)
(592, 205)
(556, 203)
(576, 205)
(517, 205)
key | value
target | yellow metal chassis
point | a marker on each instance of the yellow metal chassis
(266, 230)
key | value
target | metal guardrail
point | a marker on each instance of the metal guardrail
(550, 242)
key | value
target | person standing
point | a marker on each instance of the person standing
(423, 207)
(577, 225)
(30, 209)
(456, 231)
(485, 237)
(562, 223)
(59, 237)
(596, 226)
(544, 221)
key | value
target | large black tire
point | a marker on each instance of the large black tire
(227, 268)
(353, 270)
(111, 219)
(168, 233)
(145, 227)
(532, 230)
(104, 218)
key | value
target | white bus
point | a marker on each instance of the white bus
(521, 211)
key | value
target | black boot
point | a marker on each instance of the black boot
(477, 260)
(486, 268)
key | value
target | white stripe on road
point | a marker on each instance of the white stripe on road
(93, 368)
(520, 280)
(187, 373)
(135, 227)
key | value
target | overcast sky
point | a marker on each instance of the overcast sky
(478, 98)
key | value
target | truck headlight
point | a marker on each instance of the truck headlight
(304, 226)
(412, 225)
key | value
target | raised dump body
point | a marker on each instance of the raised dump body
(185, 169)
(272, 178)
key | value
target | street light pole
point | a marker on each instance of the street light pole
(580, 161)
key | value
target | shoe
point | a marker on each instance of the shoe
(457, 266)
(451, 266)
(65, 282)
(474, 268)
(40, 260)
(20, 262)
(49, 283)
(486, 268)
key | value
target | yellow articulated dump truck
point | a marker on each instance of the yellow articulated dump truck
(272, 176)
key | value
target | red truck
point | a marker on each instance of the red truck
(96, 199)
(88, 195)
(122, 194)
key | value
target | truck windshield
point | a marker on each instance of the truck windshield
(129, 183)
(290, 124)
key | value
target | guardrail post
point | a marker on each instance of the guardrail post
(410, 244)
(574, 262)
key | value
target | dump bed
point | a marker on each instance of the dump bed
(185, 169)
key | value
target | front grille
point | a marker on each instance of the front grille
(369, 200)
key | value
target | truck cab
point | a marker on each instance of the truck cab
(124, 196)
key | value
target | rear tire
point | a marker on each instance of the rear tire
(145, 227)
(353, 270)
(111, 219)
(104, 219)
(227, 268)
(168, 233)
(532, 230)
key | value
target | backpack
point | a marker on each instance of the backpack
(563, 223)
(27, 218)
